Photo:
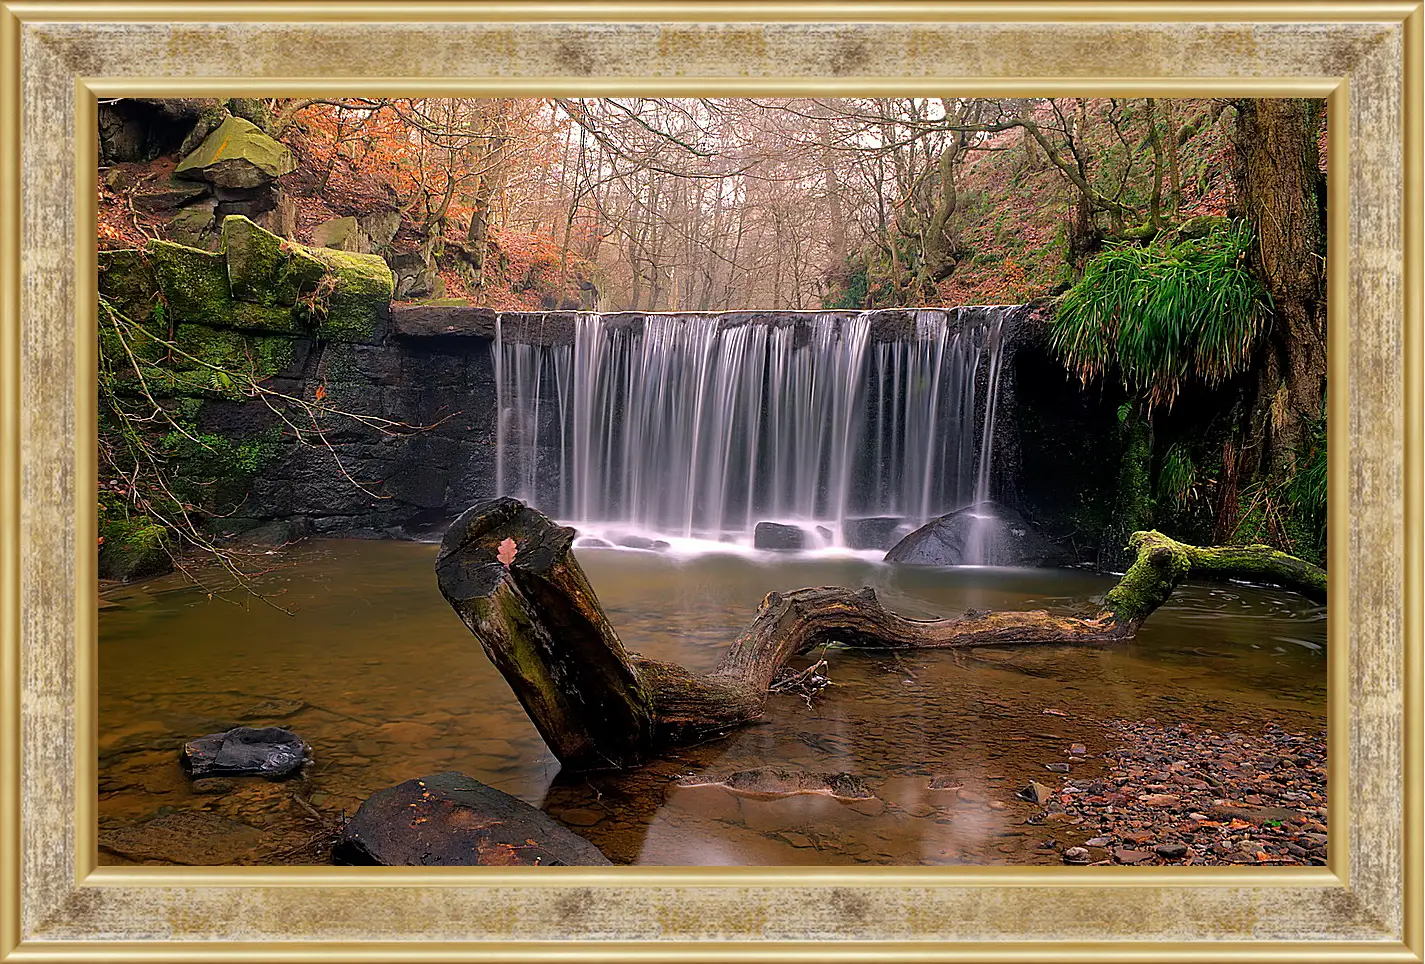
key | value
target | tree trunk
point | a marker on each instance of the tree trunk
(1279, 187)
(509, 572)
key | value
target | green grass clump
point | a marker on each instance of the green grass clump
(1161, 315)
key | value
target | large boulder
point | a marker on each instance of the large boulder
(359, 300)
(984, 534)
(246, 751)
(237, 155)
(344, 234)
(416, 275)
(264, 269)
(452, 820)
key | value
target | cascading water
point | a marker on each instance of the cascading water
(701, 425)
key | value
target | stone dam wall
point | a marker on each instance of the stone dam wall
(315, 323)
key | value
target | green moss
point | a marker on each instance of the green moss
(127, 281)
(354, 297)
(194, 283)
(1159, 564)
(213, 470)
(238, 355)
(260, 355)
(237, 154)
(1133, 505)
(265, 270)
(131, 545)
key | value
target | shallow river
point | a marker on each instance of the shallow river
(375, 671)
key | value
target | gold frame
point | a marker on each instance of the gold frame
(55, 904)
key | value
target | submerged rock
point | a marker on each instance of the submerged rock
(983, 534)
(772, 782)
(246, 751)
(452, 820)
(775, 535)
(188, 837)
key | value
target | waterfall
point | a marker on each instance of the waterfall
(701, 425)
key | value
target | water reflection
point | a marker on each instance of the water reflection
(386, 684)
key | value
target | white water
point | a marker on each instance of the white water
(696, 427)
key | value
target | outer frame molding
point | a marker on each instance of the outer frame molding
(58, 58)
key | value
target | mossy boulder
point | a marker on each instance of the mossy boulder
(131, 545)
(354, 298)
(193, 227)
(266, 271)
(127, 281)
(194, 283)
(237, 155)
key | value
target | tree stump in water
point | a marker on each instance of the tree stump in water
(510, 574)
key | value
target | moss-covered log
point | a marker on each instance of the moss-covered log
(510, 574)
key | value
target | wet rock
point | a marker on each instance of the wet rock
(1076, 855)
(1171, 851)
(775, 535)
(450, 819)
(630, 541)
(1077, 749)
(1057, 767)
(1036, 792)
(986, 533)
(184, 837)
(875, 532)
(246, 751)
(213, 786)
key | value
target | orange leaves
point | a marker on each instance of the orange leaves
(506, 552)
(321, 392)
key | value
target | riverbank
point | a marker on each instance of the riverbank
(1181, 793)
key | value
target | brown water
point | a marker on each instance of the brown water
(395, 687)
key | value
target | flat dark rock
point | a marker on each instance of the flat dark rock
(246, 751)
(452, 820)
(775, 535)
(984, 534)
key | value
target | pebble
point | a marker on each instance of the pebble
(1178, 791)
(1076, 855)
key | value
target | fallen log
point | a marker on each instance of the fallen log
(510, 574)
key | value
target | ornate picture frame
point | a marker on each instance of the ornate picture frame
(59, 59)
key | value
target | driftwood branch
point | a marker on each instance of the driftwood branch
(510, 574)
